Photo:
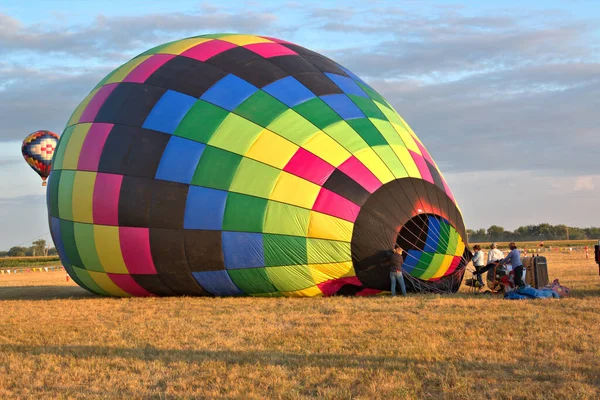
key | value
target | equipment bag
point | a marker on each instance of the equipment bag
(536, 271)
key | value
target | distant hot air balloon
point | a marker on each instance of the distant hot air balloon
(38, 149)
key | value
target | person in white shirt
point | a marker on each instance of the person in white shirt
(494, 254)
(477, 260)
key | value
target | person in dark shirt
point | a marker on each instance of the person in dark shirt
(514, 258)
(396, 261)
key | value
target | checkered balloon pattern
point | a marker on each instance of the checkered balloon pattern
(38, 149)
(232, 164)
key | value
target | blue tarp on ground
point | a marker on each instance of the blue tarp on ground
(528, 292)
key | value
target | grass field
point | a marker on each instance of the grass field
(24, 262)
(57, 342)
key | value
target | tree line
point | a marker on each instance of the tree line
(494, 233)
(37, 249)
(541, 232)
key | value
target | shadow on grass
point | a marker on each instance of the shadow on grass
(50, 292)
(47, 292)
(581, 293)
(232, 357)
(553, 372)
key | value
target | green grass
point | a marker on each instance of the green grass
(18, 262)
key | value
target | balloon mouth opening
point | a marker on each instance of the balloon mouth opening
(415, 233)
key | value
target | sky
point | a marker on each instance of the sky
(505, 95)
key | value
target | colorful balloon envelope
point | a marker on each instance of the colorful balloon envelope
(233, 164)
(38, 149)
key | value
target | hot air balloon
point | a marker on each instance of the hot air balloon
(233, 165)
(38, 149)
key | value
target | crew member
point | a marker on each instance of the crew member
(477, 260)
(514, 258)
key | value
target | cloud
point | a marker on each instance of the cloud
(11, 161)
(37, 200)
(585, 183)
(446, 46)
(41, 98)
(514, 198)
(487, 92)
(113, 37)
(47, 69)
(483, 91)
(467, 128)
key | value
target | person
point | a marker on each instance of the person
(494, 254)
(514, 258)
(396, 261)
(477, 260)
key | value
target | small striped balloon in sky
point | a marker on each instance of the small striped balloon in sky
(38, 150)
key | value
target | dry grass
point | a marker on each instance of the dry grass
(56, 341)
(534, 245)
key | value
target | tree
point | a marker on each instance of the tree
(513, 236)
(3, 253)
(560, 232)
(52, 252)
(545, 231)
(540, 232)
(17, 251)
(576, 234)
(495, 232)
(39, 248)
(592, 233)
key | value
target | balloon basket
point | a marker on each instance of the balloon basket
(44, 183)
